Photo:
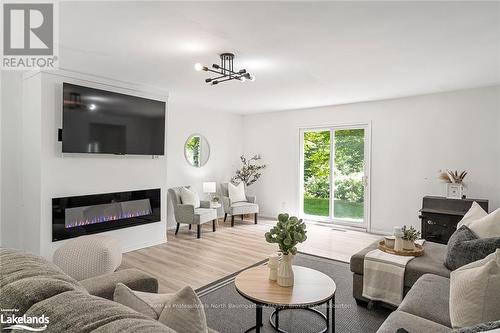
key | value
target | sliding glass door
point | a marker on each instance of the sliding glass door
(334, 174)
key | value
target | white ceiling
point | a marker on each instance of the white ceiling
(303, 54)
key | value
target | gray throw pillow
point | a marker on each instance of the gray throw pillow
(483, 327)
(465, 247)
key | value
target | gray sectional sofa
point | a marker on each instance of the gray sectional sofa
(426, 306)
(33, 286)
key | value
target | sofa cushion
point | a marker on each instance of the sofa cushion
(465, 247)
(104, 286)
(240, 208)
(77, 312)
(22, 294)
(202, 215)
(430, 262)
(429, 298)
(475, 292)
(17, 265)
(411, 323)
(27, 279)
(474, 213)
(483, 327)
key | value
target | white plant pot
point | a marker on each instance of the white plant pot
(408, 245)
(285, 271)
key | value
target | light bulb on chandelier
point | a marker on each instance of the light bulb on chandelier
(198, 67)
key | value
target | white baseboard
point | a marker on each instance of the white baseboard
(263, 216)
(144, 244)
(380, 232)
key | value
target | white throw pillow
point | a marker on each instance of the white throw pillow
(182, 311)
(189, 197)
(475, 212)
(475, 292)
(149, 304)
(488, 226)
(237, 193)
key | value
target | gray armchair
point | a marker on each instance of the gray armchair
(187, 214)
(238, 208)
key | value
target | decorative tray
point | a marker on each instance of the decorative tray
(419, 250)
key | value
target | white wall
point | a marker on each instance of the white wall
(412, 139)
(224, 134)
(10, 138)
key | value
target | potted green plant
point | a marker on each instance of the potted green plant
(410, 235)
(287, 233)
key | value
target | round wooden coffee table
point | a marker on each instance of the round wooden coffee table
(311, 288)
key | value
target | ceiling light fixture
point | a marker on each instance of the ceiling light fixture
(225, 71)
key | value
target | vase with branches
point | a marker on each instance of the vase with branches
(454, 183)
(250, 170)
(450, 176)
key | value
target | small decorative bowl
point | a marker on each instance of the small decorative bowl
(389, 241)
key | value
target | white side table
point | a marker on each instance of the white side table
(220, 210)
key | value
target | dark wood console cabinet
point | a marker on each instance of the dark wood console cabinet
(440, 216)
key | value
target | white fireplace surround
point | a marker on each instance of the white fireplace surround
(47, 173)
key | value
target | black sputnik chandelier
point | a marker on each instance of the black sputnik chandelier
(225, 71)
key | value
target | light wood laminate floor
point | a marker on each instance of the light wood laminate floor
(186, 260)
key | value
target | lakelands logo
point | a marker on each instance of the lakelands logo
(28, 36)
(28, 323)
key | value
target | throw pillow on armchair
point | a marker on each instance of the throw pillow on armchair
(237, 193)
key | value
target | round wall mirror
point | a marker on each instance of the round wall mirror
(197, 150)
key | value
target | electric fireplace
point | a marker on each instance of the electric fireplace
(89, 214)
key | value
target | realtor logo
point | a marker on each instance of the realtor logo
(28, 36)
(28, 29)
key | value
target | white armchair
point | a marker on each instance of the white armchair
(238, 208)
(188, 214)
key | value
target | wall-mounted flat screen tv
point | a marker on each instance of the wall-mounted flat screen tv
(104, 122)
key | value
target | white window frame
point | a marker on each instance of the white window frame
(367, 126)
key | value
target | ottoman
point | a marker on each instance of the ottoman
(431, 262)
(89, 256)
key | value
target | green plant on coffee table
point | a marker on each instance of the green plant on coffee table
(215, 199)
(287, 233)
(410, 234)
